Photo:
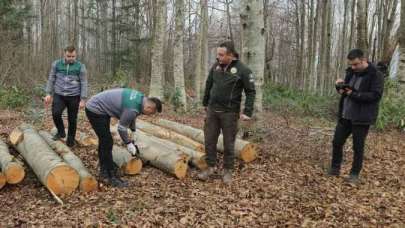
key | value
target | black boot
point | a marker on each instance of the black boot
(58, 136)
(70, 142)
(103, 174)
(334, 172)
(115, 181)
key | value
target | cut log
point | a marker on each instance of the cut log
(157, 153)
(12, 170)
(81, 138)
(196, 158)
(87, 182)
(161, 156)
(245, 150)
(3, 180)
(60, 178)
(123, 159)
(167, 134)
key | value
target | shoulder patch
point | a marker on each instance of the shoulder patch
(251, 77)
(234, 70)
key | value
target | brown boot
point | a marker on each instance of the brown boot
(206, 174)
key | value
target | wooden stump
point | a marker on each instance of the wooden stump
(244, 150)
(123, 159)
(87, 181)
(12, 170)
(60, 178)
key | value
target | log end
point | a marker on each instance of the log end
(16, 136)
(88, 184)
(180, 168)
(62, 180)
(133, 167)
(249, 152)
(15, 173)
(200, 148)
(3, 180)
(201, 163)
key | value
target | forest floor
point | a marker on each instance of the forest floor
(285, 187)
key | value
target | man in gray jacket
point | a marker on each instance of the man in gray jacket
(66, 88)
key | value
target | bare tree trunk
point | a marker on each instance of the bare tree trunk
(343, 50)
(202, 51)
(352, 21)
(75, 40)
(253, 43)
(156, 82)
(114, 39)
(401, 66)
(178, 65)
(389, 45)
(362, 26)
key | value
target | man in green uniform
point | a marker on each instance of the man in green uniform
(226, 81)
(125, 105)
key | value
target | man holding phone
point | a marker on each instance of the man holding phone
(361, 92)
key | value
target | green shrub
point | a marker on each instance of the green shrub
(13, 97)
(286, 100)
(392, 106)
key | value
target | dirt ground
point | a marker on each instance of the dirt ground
(285, 187)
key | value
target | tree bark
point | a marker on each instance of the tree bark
(87, 182)
(362, 26)
(60, 178)
(401, 65)
(156, 81)
(178, 65)
(12, 170)
(253, 43)
(244, 150)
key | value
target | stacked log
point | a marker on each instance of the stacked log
(245, 150)
(87, 182)
(12, 170)
(55, 174)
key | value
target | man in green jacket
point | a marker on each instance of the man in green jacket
(226, 81)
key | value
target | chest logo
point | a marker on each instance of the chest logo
(234, 70)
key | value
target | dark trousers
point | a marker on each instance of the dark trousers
(215, 122)
(101, 125)
(343, 129)
(58, 105)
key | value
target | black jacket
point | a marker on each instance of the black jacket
(367, 97)
(224, 87)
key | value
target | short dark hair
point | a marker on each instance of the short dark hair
(158, 103)
(70, 49)
(230, 48)
(355, 53)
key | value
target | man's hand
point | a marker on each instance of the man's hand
(47, 100)
(340, 91)
(339, 81)
(348, 91)
(244, 117)
(131, 148)
(82, 103)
